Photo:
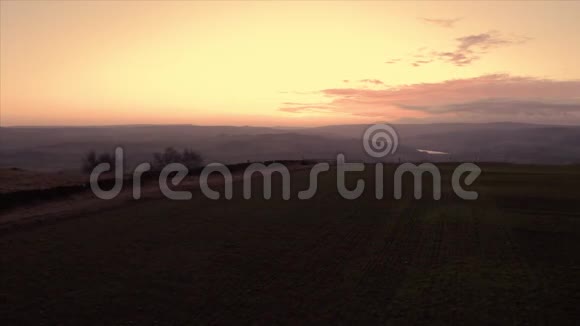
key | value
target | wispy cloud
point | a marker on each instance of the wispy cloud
(297, 107)
(418, 63)
(469, 49)
(447, 23)
(485, 98)
(371, 81)
(504, 106)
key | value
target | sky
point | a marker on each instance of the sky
(288, 63)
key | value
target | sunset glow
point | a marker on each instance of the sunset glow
(284, 63)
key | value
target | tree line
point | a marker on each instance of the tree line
(187, 157)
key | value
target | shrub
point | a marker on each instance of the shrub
(188, 157)
(91, 160)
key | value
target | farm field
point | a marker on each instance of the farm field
(510, 257)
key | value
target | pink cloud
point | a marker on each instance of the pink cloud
(470, 48)
(447, 23)
(371, 81)
(486, 97)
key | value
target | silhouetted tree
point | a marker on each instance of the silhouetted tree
(191, 159)
(91, 160)
(188, 157)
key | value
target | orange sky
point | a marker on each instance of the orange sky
(287, 63)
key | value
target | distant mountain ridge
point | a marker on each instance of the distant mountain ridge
(60, 148)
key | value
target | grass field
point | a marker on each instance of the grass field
(510, 257)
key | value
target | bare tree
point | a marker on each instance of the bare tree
(191, 159)
(91, 160)
(188, 157)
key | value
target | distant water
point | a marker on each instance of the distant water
(432, 152)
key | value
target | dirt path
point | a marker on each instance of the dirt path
(86, 202)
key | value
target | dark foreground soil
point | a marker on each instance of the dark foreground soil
(510, 257)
